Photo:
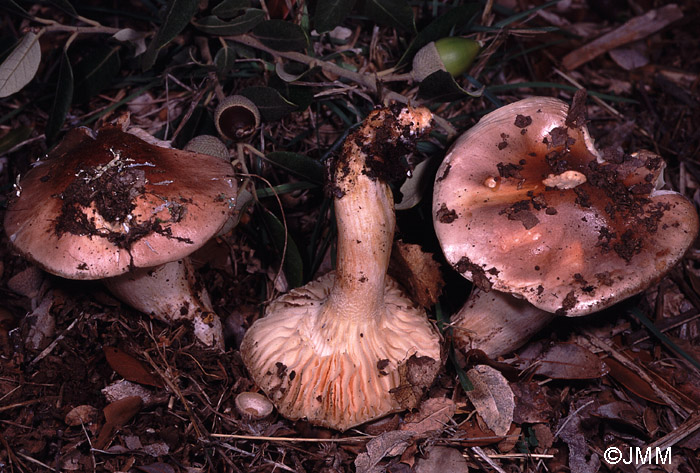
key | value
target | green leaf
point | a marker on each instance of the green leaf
(177, 16)
(331, 13)
(270, 103)
(13, 7)
(281, 35)
(62, 99)
(414, 188)
(292, 265)
(230, 8)
(239, 25)
(440, 86)
(299, 164)
(14, 137)
(440, 28)
(396, 13)
(96, 72)
(286, 188)
(19, 68)
(525, 14)
(225, 60)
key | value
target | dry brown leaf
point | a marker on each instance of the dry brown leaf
(83, 414)
(564, 361)
(492, 398)
(442, 460)
(531, 405)
(631, 380)
(129, 367)
(417, 272)
(117, 414)
(574, 434)
(473, 434)
(434, 414)
(389, 444)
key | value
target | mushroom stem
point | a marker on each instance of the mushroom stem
(169, 293)
(366, 222)
(496, 323)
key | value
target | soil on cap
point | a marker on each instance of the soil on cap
(111, 190)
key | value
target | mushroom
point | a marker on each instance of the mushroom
(524, 203)
(350, 346)
(111, 206)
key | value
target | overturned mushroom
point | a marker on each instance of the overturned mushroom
(524, 203)
(351, 347)
(114, 207)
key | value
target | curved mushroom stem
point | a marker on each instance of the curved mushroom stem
(496, 323)
(365, 217)
(169, 293)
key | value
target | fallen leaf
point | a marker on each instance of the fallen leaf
(129, 367)
(123, 388)
(82, 414)
(473, 434)
(442, 460)
(416, 376)
(531, 406)
(492, 397)
(563, 361)
(575, 435)
(631, 380)
(417, 272)
(156, 468)
(117, 414)
(434, 414)
(389, 444)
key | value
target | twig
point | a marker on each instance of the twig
(53, 344)
(691, 425)
(57, 27)
(635, 29)
(27, 403)
(250, 454)
(177, 391)
(487, 459)
(366, 80)
(293, 439)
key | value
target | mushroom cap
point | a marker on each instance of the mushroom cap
(524, 203)
(102, 205)
(341, 371)
(253, 405)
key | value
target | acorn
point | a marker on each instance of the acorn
(236, 117)
(452, 54)
(208, 144)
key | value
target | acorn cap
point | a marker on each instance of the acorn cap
(451, 54)
(510, 218)
(100, 206)
(208, 144)
(236, 117)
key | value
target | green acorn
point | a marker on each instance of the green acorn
(452, 54)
